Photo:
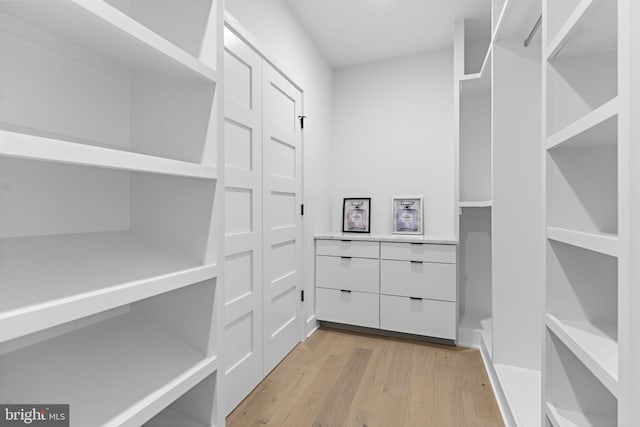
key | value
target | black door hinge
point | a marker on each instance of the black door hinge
(302, 121)
(302, 296)
(302, 210)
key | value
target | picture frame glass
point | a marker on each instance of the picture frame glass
(356, 215)
(407, 214)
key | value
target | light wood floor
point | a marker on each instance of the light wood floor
(340, 378)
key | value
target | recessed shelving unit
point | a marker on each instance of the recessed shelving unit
(156, 347)
(584, 245)
(583, 189)
(576, 398)
(109, 236)
(582, 67)
(583, 306)
(193, 409)
(91, 75)
(475, 161)
(99, 237)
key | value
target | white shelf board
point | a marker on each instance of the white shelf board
(104, 30)
(566, 418)
(597, 34)
(501, 19)
(169, 418)
(597, 128)
(24, 146)
(603, 243)
(49, 280)
(523, 390)
(118, 372)
(478, 83)
(592, 345)
(478, 204)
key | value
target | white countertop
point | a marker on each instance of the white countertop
(409, 238)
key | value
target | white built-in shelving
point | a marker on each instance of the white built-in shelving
(584, 243)
(473, 100)
(109, 228)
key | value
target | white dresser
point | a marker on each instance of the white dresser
(392, 283)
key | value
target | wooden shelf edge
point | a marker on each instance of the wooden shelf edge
(582, 354)
(25, 146)
(145, 409)
(153, 41)
(607, 244)
(26, 320)
(565, 32)
(591, 120)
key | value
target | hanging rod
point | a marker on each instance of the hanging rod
(533, 32)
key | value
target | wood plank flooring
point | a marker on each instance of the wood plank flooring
(338, 378)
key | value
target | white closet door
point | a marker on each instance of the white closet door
(282, 196)
(243, 221)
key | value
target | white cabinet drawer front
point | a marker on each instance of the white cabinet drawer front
(418, 279)
(355, 274)
(352, 308)
(351, 248)
(420, 317)
(418, 252)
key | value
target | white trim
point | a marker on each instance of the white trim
(233, 24)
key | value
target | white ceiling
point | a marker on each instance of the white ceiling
(352, 32)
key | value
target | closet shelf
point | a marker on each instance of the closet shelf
(49, 280)
(598, 128)
(603, 243)
(522, 388)
(25, 146)
(565, 418)
(592, 345)
(169, 418)
(500, 24)
(104, 30)
(598, 17)
(478, 83)
(87, 369)
(479, 204)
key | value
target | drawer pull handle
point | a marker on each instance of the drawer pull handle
(416, 262)
(415, 298)
(345, 240)
(345, 291)
(415, 243)
(345, 257)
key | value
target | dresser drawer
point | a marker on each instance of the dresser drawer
(418, 279)
(353, 308)
(355, 274)
(352, 248)
(418, 252)
(420, 317)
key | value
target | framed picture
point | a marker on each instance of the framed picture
(406, 212)
(356, 215)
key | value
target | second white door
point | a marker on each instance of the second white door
(282, 220)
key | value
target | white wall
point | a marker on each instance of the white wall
(290, 49)
(393, 134)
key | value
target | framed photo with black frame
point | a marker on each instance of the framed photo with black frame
(407, 215)
(356, 215)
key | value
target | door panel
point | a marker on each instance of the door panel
(243, 351)
(282, 225)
